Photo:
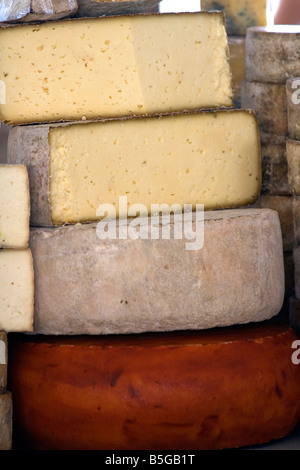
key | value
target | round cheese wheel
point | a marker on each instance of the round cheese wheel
(272, 53)
(222, 388)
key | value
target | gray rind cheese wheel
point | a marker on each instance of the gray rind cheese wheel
(269, 102)
(293, 103)
(275, 170)
(6, 412)
(130, 285)
(272, 53)
(217, 389)
(293, 159)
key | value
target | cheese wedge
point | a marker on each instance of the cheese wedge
(14, 206)
(209, 390)
(293, 103)
(114, 66)
(240, 14)
(3, 361)
(273, 53)
(16, 290)
(171, 159)
(6, 425)
(135, 284)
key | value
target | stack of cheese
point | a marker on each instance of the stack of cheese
(16, 277)
(272, 56)
(111, 107)
(240, 15)
(293, 158)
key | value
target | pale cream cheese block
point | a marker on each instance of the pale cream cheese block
(36, 10)
(284, 206)
(293, 102)
(293, 158)
(269, 102)
(85, 284)
(240, 14)
(90, 8)
(169, 160)
(6, 421)
(14, 206)
(16, 290)
(3, 361)
(275, 170)
(114, 66)
(272, 53)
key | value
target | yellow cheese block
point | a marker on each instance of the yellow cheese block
(16, 290)
(240, 14)
(14, 206)
(172, 159)
(114, 66)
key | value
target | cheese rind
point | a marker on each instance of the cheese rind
(14, 206)
(268, 100)
(171, 159)
(114, 66)
(272, 53)
(36, 10)
(293, 102)
(88, 8)
(204, 391)
(133, 286)
(6, 412)
(16, 290)
(237, 63)
(3, 361)
(240, 14)
(293, 158)
(275, 170)
(284, 206)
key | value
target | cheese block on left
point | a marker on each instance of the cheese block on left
(114, 66)
(14, 206)
(170, 159)
(16, 290)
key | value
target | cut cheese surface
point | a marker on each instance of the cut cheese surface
(240, 14)
(110, 67)
(204, 390)
(16, 290)
(14, 206)
(134, 284)
(171, 159)
(272, 53)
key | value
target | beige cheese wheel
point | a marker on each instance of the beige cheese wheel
(269, 102)
(6, 424)
(87, 285)
(170, 159)
(36, 10)
(275, 170)
(272, 53)
(293, 102)
(293, 158)
(222, 388)
(3, 361)
(284, 206)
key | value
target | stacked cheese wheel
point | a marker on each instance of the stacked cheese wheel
(272, 58)
(149, 332)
